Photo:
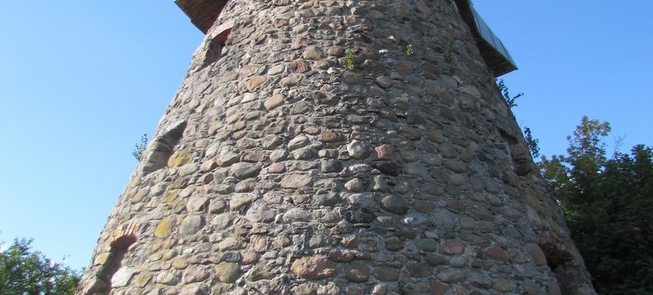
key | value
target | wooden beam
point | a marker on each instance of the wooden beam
(202, 13)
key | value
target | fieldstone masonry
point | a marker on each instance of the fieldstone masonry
(309, 152)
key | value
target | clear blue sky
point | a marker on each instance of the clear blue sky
(80, 81)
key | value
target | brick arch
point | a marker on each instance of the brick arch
(124, 236)
(216, 43)
(119, 241)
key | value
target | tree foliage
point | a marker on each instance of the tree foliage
(140, 147)
(27, 272)
(533, 143)
(608, 203)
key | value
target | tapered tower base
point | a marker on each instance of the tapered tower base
(337, 147)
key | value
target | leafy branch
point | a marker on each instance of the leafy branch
(140, 147)
(510, 100)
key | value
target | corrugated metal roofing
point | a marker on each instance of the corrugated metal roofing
(203, 14)
(493, 52)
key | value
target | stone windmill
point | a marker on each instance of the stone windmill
(338, 147)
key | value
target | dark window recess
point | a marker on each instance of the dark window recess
(121, 239)
(162, 147)
(559, 258)
(125, 236)
(216, 48)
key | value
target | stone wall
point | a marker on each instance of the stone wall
(309, 151)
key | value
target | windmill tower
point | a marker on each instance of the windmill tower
(338, 147)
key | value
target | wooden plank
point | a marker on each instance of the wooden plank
(202, 13)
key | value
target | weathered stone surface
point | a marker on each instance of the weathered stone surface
(195, 274)
(255, 82)
(389, 168)
(479, 279)
(436, 136)
(299, 66)
(450, 276)
(384, 152)
(385, 273)
(227, 272)
(230, 243)
(337, 51)
(330, 136)
(167, 278)
(191, 224)
(292, 80)
(330, 165)
(296, 214)
(357, 272)
(354, 185)
(427, 244)
(298, 142)
(122, 277)
(244, 170)
(249, 258)
(504, 285)
(197, 204)
(194, 290)
(530, 287)
(395, 204)
(313, 52)
(300, 107)
(308, 152)
(536, 254)
(352, 78)
(361, 215)
(179, 159)
(295, 180)
(327, 199)
(453, 247)
(438, 288)
(273, 102)
(419, 270)
(359, 169)
(358, 150)
(277, 69)
(164, 228)
(226, 158)
(314, 268)
(260, 272)
(384, 82)
(404, 67)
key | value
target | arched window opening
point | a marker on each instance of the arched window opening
(111, 261)
(216, 44)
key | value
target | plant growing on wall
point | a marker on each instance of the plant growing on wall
(140, 147)
(349, 58)
(510, 100)
(409, 50)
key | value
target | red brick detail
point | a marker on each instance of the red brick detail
(125, 236)
(220, 33)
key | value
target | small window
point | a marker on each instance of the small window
(216, 45)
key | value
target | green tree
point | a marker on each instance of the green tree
(27, 272)
(608, 204)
